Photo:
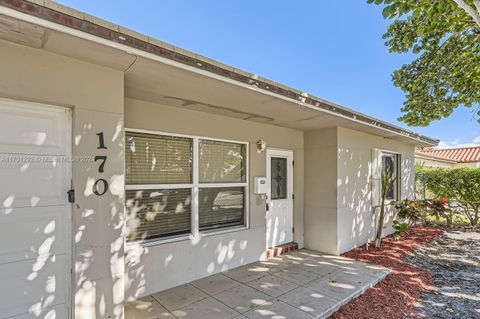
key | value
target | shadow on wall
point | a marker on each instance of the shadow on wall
(99, 224)
(357, 219)
(153, 265)
(354, 198)
(36, 231)
(141, 282)
(168, 178)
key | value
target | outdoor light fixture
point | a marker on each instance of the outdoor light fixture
(261, 146)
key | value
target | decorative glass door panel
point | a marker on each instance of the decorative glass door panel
(278, 177)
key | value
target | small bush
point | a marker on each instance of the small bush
(401, 229)
(409, 212)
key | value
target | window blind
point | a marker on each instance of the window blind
(158, 213)
(157, 159)
(221, 162)
(221, 207)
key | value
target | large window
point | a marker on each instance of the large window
(391, 166)
(180, 186)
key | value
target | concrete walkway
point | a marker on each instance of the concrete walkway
(301, 284)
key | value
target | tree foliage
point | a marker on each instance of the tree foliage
(440, 208)
(445, 35)
(401, 229)
(460, 185)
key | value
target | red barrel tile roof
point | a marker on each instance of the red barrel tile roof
(458, 154)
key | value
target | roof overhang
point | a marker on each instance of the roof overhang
(160, 73)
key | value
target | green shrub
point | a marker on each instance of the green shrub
(460, 185)
(409, 210)
(401, 229)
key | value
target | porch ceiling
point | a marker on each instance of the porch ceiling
(153, 81)
(160, 83)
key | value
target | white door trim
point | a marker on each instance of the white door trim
(70, 246)
(288, 154)
(70, 210)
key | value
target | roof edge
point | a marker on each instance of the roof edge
(72, 18)
(462, 154)
(435, 158)
(450, 148)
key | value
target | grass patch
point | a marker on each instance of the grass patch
(457, 219)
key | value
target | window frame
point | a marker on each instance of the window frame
(397, 168)
(195, 186)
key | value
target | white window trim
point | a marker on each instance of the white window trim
(195, 234)
(398, 166)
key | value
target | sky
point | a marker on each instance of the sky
(330, 49)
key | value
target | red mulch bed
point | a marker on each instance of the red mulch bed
(395, 296)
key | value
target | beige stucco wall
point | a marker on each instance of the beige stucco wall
(443, 164)
(355, 218)
(432, 163)
(471, 165)
(154, 268)
(95, 94)
(320, 190)
(338, 210)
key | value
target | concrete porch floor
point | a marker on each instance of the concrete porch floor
(301, 284)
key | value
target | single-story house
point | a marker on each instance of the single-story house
(450, 157)
(129, 166)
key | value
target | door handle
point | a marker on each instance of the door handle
(71, 195)
(267, 207)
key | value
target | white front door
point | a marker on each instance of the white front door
(279, 197)
(35, 215)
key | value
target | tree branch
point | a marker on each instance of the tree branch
(468, 9)
(477, 5)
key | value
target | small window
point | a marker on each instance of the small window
(390, 165)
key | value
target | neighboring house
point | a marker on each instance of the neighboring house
(449, 157)
(167, 152)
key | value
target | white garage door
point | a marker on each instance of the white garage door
(35, 215)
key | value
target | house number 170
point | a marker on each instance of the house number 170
(100, 186)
